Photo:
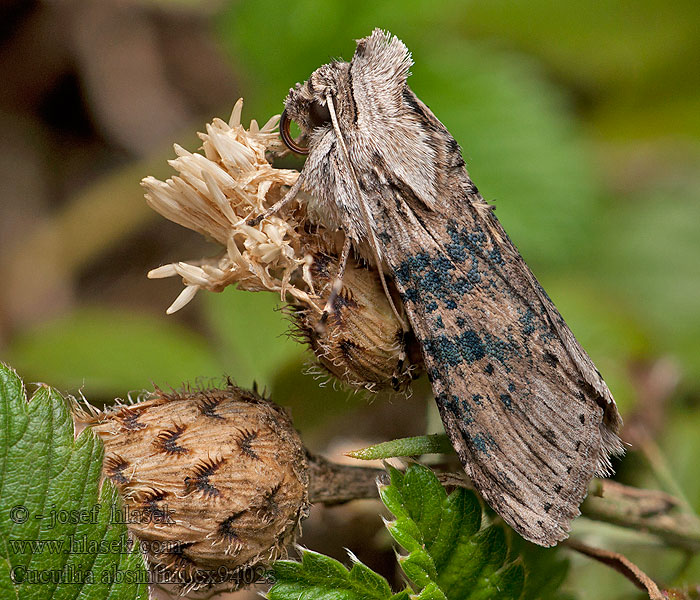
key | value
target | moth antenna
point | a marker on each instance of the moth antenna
(365, 214)
(337, 283)
(289, 196)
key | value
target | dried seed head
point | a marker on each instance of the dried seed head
(217, 193)
(212, 480)
(361, 343)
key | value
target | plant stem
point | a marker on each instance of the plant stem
(650, 511)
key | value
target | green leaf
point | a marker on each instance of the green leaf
(318, 576)
(452, 554)
(431, 592)
(419, 567)
(507, 582)
(108, 351)
(410, 446)
(447, 546)
(58, 538)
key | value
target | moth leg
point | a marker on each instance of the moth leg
(337, 284)
(290, 195)
(395, 378)
(365, 211)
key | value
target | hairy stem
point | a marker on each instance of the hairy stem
(332, 483)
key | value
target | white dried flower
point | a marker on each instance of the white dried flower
(216, 193)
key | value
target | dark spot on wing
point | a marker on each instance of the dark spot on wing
(550, 359)
(465, 347)
(478, 442)
(507, 401)
(550, 436)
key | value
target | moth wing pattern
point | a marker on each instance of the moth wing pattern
(527, 412)
(529, 431)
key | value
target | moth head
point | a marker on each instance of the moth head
(307, 105)
(369, 86)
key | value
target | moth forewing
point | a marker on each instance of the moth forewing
(527, 412)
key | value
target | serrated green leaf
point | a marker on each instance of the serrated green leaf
(319, 576)
(430, 592)
(368, 579)
(450, 555)
(461, 519)
(423, 497)
(506, 584)
(446, 545)
(391, 494)
(474, 557)
(419, 567)
(58, 538)
(406, 533)
(322, 567)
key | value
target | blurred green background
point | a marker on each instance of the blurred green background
(579, 121)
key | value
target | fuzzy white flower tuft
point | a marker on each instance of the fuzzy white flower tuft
(216, 193)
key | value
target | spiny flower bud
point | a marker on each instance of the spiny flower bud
(361, 342)
(216, 480)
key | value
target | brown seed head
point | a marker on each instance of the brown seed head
(361, 343)
(212, 480)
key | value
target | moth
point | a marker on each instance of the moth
(524, 406)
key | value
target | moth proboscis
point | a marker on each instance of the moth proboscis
(524, 406)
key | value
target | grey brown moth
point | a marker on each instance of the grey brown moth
(525, 408)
